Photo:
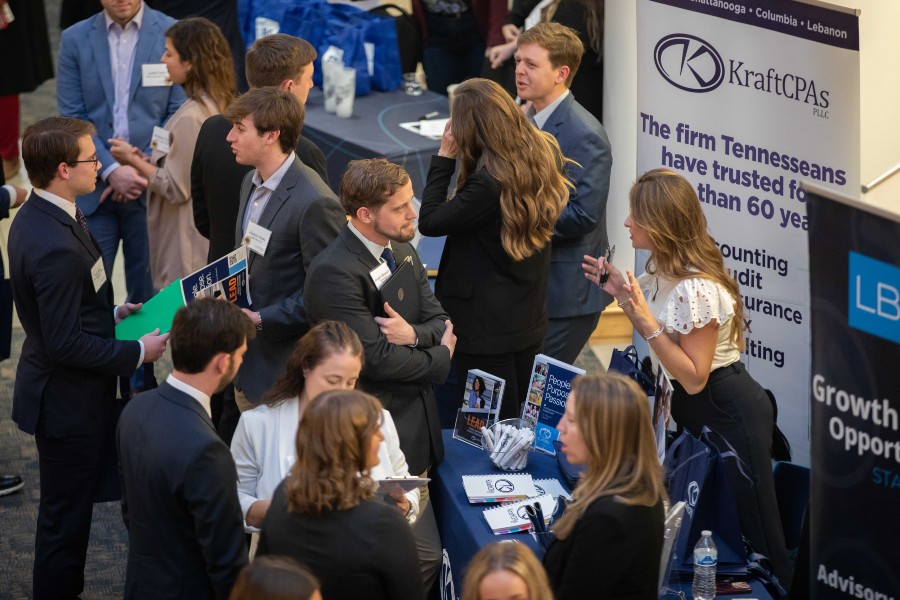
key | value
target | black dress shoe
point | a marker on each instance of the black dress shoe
(10, 484)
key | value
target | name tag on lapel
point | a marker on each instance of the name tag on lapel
(380, 274)
(160, 140)
(257, 238)
(155, 75)
(98, 274)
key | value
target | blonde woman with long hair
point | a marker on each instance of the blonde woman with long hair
(510, 191)
(689, 309)
(609, 541)
(324, 515)
(505, 571)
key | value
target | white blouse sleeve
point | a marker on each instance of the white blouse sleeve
(249, 470)
(398, 466)
(694, 303)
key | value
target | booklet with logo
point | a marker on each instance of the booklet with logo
(498, 488)
(480, 406)
(548, 390)
(224, 278)
(512, 518)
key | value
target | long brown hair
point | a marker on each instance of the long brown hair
(515, 558)
(333, 443)
(322, 341)
(199, 41)
(665, 205)
(613, 417)
(492, 132)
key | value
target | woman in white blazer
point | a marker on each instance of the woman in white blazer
(328, 357)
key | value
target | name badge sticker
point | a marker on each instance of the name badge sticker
(160, 140)
(380, 275)
(155, 75)
(98, 274)
(257, 238)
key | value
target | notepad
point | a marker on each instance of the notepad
(498, 488)
(512, 518)
(553, 487)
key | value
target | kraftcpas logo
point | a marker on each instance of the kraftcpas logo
(694, 65)
(689, 63)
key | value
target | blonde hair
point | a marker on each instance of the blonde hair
(518, 559)
(492, 132)
(666, 207)
(613, 416)
(333, 443)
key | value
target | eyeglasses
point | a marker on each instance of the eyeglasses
(94, 160)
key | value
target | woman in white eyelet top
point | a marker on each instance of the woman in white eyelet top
(690, 311)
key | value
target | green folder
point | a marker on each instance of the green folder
(158, 311)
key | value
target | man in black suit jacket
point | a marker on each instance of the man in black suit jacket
(180, 504)
(403, 360)
(548, 56)
(65, 391)
(287, 215)
(281, 61)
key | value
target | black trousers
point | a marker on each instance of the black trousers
(736, 407)
(514, 367)
(75, 473)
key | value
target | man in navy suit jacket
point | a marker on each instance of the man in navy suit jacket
(547, 57)
(180, 503)
(112, 91)
(65, 391)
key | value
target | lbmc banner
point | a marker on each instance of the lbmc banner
(855, 381)
(746, 98)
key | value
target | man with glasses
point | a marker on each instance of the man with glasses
(65, 390)
(109, 73)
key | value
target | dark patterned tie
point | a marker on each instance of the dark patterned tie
(388, 257)
(79, 216)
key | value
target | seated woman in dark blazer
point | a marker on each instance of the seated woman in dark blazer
(493, 273)
(324, 515)
(609, 540)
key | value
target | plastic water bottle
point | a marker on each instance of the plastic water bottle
(706, 556)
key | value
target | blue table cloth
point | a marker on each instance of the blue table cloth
(464, 530)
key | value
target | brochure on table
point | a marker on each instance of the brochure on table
(224, 278)
(480, 407)
(548, 390)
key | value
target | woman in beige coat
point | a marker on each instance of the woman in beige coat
(198, 58)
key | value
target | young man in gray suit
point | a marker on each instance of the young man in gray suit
(287, 215)
(180, 504)
(403, 360)
(547, 57)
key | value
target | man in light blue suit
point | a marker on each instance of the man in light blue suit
(102, 77)
(547, 57)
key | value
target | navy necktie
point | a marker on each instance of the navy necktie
(388, 257)
(82, 221)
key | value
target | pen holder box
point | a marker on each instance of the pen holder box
(507, 443)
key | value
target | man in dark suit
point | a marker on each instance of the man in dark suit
(547, 57)
(287, 215)
(111, 90)
(65, 391)
(180, 504)
(403, 360)
(281, 61)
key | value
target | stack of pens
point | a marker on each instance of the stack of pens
(508, 443)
